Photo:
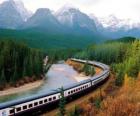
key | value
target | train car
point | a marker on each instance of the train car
(99, 78)
(77, 88)
(18, 107)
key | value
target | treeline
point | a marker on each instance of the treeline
(107, 52)
(61, 54)
(130, 64)
(18, 61)
(123, 56)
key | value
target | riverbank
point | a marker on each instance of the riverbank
(22, 88)
(71, 73)
(81, 76)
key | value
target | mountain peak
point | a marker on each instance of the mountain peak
(42, 19)
(10, 3)
(66, 8)
(18, 6)
(43, 11)
(69, 6)
(10, 16)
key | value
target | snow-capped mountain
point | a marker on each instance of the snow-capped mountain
(9, 16)
(114, 22)
(73, 18)
(12, 14)
(64, 16)
(67, 20)
(25, 14)
(43, 18)
(113, 27)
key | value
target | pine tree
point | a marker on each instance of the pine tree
(2, 79)
(62, 103)
(1, 61)
(75, 112)
(86, 69)
(29, 67)
(15, 75)
(24, 73)
(120, 78)
(92, 71)
(37, 65)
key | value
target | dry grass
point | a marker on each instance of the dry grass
(124, 102)
(76, 65)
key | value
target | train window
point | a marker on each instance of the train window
(18, 109)
(24, 107)
(50, 99)
(12, 111)
(36, 103)
(76, 89)
(73, 90)
(30, 105)
(45, 100)
(40, 102)
(69, 92)
(54, 98)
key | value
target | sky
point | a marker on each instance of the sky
(124, 9)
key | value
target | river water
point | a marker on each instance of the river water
(59, 75)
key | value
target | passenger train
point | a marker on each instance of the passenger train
(31, 104)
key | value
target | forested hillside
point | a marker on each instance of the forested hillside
(17, 62)
(120, 95)
(44, 40)
(122, 56)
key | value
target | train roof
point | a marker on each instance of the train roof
(76, 84)
(103, 66)
(26, 99)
